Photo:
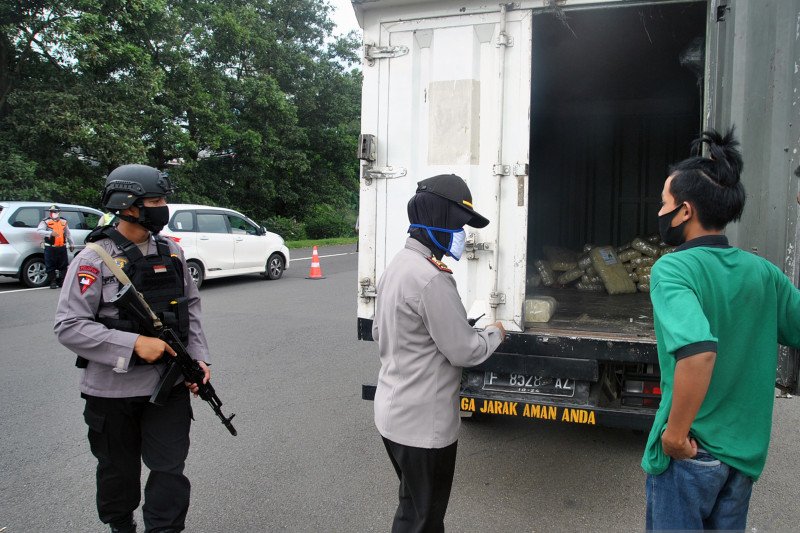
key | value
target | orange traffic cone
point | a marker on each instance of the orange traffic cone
(316, 271)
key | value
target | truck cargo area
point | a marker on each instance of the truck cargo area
(616, 98)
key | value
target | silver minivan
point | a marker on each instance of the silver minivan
(21, 254)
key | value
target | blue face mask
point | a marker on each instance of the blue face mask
(455, 247)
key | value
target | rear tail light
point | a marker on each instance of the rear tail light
(641, 391)
(3, 239)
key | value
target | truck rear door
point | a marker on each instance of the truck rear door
(449, 95)
(753, 53)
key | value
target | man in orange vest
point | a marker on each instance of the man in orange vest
(55, 232)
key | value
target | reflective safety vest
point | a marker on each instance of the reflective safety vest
(58, 227)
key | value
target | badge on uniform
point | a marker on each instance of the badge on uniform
(441, 266)
(159, 269)
(121, 262)
(85, 280)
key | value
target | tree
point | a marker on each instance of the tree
(248, 104)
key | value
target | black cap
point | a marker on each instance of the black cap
(453, 188)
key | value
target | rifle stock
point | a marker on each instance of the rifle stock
(129, 299)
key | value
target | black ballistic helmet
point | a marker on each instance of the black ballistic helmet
(453, 188)
(128, 184)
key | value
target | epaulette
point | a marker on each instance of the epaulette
(438, 264)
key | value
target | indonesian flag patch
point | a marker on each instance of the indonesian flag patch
(85, 281)
(159, 269)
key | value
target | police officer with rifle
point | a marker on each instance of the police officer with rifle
(124, 361)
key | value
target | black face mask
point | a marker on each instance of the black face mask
(154, 218)
(672, 236)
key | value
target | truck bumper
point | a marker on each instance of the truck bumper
(542, 409)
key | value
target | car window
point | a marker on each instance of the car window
(182, 221)
(241, 226)
(74, 219)
(90, 219)
(211, 223)
(26, 217)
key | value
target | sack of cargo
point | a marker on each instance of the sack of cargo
(646, 248)
(627, 255)
(560, 259)
(626, 246)
(584, 262)
(534, 281)
(643, 262)
(570, 276)
(634, 276)
(587, 248)
(608, 266)
(654, 239)
(643, 271)
(540, 309)
(548, 278)
(590, 287)
(664, 250)
(590, 271)
(643, 287)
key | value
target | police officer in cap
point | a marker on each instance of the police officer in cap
(122, 366)
(425, 339)
(55, 232)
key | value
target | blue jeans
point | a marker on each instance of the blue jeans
(699, 493)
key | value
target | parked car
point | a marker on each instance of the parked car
(220, 242)
(21, 253)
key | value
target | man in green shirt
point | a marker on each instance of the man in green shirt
(719, 315)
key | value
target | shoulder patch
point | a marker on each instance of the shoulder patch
(85, 280)
(89, 268)
(439, 265)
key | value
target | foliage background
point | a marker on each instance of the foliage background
(248, 104)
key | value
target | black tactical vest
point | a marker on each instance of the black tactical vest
(160, 279)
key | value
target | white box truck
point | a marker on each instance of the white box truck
(563, 117)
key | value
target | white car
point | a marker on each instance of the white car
(220, 242)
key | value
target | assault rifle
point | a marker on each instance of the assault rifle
(132, 301)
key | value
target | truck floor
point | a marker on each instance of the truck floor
(597, 315)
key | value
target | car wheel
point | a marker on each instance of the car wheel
(275, 266)
(33, 272)
(196, 271)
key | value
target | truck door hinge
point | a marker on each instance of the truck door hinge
(373, 52)
(521, 169)
(496, 299)
(368, 289)
(501, 170)
(504, 39)
(383, 173)
(472, 247)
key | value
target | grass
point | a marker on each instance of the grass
(308, 243)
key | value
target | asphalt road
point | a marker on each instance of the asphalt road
(308, 458)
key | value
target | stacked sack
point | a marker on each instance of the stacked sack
(621, 270)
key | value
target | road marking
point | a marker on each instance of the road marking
(322, 256)
(23, 290)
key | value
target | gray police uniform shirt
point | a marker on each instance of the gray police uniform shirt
(88, 286)
(424, 340)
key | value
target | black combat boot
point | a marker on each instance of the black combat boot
(123, 526)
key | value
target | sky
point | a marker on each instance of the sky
(344, 17)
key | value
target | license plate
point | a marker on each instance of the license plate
(528, 384)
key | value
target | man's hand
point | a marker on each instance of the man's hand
(499, 325)
(678, 447)
(71, 247)
(151, 349)
(193, 386)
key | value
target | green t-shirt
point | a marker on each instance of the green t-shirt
(709, 297)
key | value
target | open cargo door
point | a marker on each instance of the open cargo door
(753, 83)
(448, 95)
